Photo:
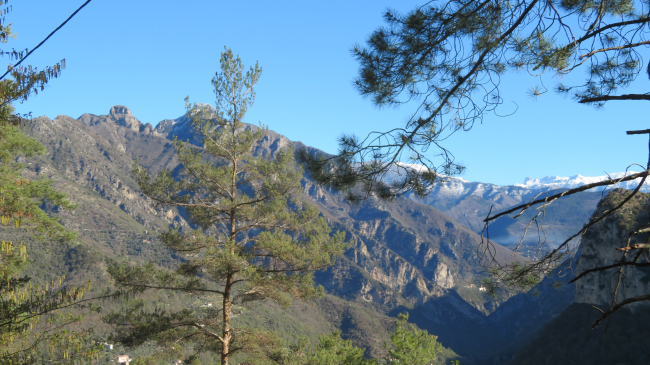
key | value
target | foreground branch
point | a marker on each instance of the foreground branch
(523, 207)
(615, 97)
(602, 268)
(620, 305)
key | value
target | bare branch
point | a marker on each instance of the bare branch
(602, 268)
(615, 97)
(644, 131)
(633, 247)
(569, 192)
(610, 26)
(620, 305)
(210, 333)
(632, 45)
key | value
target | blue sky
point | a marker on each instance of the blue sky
(148, 55)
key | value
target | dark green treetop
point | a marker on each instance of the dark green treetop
(332, 349)
(410, 345)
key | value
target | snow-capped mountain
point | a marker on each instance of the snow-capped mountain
(560, 182)
(469, 203)
(457, 186)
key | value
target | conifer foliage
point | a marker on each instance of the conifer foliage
(253, 238)
(408, 345)
(34, 324)
(411, 346)
(448, 58)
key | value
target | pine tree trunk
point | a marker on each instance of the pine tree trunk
(225, 348)
(227, 305)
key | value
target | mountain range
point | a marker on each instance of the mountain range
(409, 255)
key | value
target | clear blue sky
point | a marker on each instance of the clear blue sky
(148, 55)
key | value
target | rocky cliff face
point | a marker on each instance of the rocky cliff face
(599, 249)
(570, 310)
(122, 116)
(79, 159)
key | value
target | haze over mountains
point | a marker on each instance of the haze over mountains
(409, 255)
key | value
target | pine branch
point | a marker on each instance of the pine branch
(171, 288)
(615, 97)
(620, 305)
(602, 268)
(523, 207)
(632, 45)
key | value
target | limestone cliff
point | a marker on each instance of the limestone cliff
(567, 336)
(599, 249)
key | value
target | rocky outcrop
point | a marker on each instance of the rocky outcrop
(122, 116)
(568, 336)
(443, 276)
(598, 249)
(554, 306)
(78, 156)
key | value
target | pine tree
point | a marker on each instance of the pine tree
(449, 58)
(32, 325)
(408, 345)
(332, 349)
(254, 238)
(411, 346)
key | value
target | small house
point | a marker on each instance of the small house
(124, 359)
(108, 346)
(482, 288)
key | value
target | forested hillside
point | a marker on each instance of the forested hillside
(406, 256)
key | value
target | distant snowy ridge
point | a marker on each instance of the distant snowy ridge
(561, 182)
(548, 182)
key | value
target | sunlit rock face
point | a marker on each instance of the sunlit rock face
(444, 277)
(122, 116)
(92, 153)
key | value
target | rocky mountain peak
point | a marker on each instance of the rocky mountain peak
(121, 115)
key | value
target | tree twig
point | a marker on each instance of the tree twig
(620, 305)
(569, 192)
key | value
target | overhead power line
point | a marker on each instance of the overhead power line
(46, 38)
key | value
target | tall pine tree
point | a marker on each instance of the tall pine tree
(33, 318)
(254, 238)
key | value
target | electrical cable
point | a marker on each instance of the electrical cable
(46, 38)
